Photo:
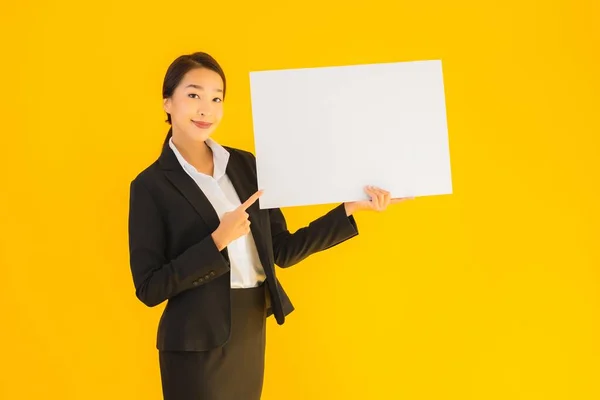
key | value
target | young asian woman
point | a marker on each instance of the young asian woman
(199, 242)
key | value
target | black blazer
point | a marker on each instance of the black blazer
(173, 256)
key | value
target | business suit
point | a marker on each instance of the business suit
(173, 256)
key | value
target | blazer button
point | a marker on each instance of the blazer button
(195, 283)
(212, 273)
(206, 276)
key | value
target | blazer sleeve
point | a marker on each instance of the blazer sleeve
(323, 233)
(155, 277)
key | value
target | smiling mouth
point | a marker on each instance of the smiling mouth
(202, 125)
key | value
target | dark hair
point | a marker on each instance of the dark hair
(181, 66)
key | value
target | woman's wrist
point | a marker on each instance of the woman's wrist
(349, 208)
(218, 241)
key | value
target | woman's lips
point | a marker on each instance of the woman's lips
(202, 125)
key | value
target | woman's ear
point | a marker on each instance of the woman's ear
(167, 105)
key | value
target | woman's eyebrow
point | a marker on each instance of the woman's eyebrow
(200, 87)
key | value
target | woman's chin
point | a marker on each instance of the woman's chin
(201, 136)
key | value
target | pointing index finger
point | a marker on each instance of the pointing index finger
(251, 200)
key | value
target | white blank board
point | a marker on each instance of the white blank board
(322, 134)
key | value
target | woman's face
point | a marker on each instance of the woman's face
(196, 106)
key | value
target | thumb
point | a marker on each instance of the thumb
(400, 200)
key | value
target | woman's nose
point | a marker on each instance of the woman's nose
(204, 109)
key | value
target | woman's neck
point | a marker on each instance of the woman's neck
(198, 155)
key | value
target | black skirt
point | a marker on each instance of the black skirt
(232, 372)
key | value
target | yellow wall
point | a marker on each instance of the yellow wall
(491, 293)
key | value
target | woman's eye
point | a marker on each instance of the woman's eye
(218, 100)
(192, 95)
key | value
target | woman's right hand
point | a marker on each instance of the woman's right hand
(234, 224)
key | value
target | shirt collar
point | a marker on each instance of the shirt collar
(220, 158)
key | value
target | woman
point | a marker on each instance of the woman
(199, 241)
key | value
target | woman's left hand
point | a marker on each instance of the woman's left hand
(380, 200)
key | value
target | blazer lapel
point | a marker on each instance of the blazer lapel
(245, 185)
(188, 188)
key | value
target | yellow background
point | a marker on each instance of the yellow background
(490, 293)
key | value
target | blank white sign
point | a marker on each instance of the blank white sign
(323, 134)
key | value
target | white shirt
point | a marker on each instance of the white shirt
(246, 268)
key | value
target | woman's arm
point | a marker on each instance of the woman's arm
(156, 278)
(333, 228)
(327, 231)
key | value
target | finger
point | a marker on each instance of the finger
(368, 203)
(385, 201)
(380, 196)
(380, 190)
(372, 190)
(383, 196)
(375, 199)
(244, 228)
(244, 223)
(251, 200)
(400, 200)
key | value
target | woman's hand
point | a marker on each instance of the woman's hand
(380, 200)
(234, 224)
